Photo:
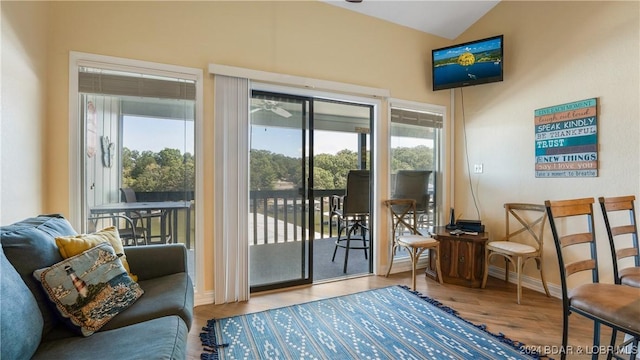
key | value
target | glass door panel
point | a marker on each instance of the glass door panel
(341, 143)
(279, 209)
(302, 149)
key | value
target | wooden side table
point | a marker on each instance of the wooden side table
(462, 258)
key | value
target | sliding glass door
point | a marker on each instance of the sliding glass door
(301, 150)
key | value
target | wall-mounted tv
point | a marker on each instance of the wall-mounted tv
(472, 63)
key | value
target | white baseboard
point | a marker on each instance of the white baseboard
(404, 264)
(528, 282)
(401, 265)
(203, 298)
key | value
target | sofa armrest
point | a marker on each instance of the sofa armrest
(152, 261)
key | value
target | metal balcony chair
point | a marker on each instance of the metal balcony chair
(145, 217)
(130, 234)
(405, 234)
(516, 248)
(414, 184)
(612, 305)
(352, 211)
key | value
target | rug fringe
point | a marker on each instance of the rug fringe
(500, 336)
(209, 342)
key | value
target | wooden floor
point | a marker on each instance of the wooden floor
(536, 322)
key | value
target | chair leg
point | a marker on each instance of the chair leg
(565, 331)
(393, 253)
(506, 269)
(346, 251)
(363, 232)
(413, 268)
(414, 254)
(596, 339)
(544, 283)
(612, 343)
(519, 275)
(335, 249)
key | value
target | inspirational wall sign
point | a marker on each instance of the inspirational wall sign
(567, 140)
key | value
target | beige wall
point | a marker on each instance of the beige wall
(23, 113)
(555, 53)
(549, 60)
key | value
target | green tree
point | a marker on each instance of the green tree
(262, 169)
(167, 170)
(322, 179)
(330, 171)
(411, 158)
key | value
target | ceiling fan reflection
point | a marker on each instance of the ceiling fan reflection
(271, 105)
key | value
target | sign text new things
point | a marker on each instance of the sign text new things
(567, 140)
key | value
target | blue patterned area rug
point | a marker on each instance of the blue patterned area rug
(387, 323)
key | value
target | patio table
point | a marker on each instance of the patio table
(170, 206)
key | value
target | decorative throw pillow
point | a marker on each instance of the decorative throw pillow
(90, 288)
(73, 245)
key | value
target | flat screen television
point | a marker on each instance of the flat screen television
(472, 63)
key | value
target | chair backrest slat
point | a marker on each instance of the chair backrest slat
(574, 239)
(625, 253)
(621, 230)
(579, 266)
(572, 208)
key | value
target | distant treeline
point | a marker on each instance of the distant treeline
(170, 170)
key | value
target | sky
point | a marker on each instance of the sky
(142, 134)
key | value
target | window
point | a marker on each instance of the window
(415, 146)
(136, 129)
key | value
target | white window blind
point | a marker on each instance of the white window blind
(231, 183)
(100, 81)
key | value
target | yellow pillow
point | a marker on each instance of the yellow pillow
(73, 245)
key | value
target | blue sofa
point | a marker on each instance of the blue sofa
(154, 327)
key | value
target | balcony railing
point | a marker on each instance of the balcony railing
(277, 216)
(282, 215)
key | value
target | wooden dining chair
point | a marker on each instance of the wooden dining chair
(623, 238)
(613, 305)
(524, 241)
(405, 234)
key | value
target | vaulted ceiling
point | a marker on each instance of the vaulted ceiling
(447, 19)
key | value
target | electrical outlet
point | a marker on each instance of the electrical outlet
(477, 168)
